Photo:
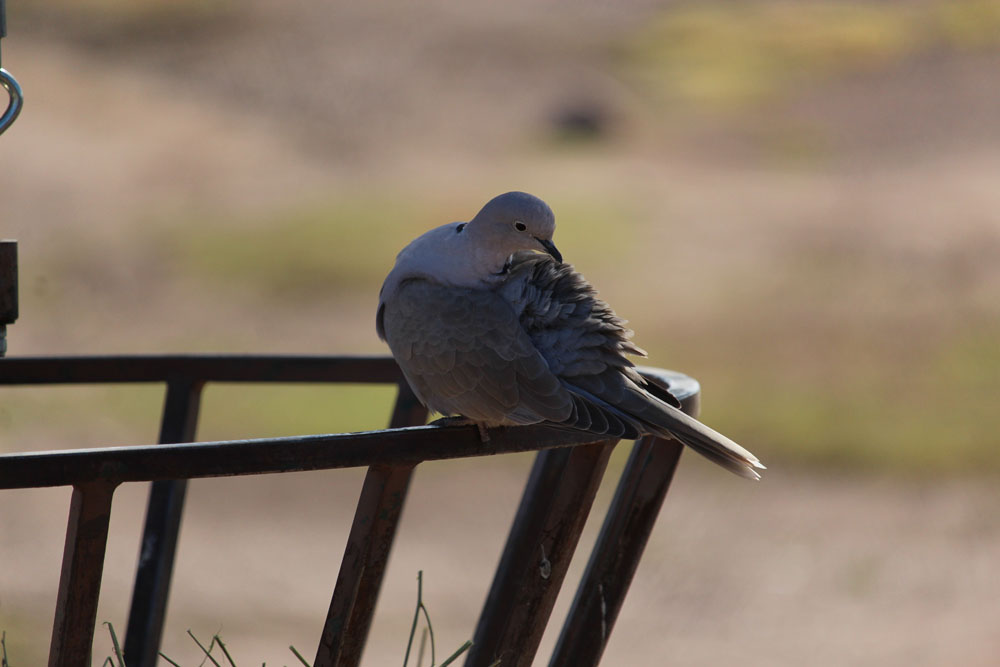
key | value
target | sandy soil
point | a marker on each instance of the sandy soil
(799, 569)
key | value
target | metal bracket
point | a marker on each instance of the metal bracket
(8, 289)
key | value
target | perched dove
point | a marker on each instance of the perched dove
(486, 322)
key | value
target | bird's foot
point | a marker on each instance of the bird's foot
(484, 435)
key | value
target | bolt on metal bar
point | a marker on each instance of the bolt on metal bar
(369, 544)
(543, 537)
(80, 580)
(158, 546)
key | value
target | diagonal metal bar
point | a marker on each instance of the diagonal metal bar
(80, 580)
(158, 547)
(546, 529)
(368, 546)
(616, 554)
(624, 534)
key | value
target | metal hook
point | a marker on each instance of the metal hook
(13, 89)
(8, 82)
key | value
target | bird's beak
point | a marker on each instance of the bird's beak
(550, 248)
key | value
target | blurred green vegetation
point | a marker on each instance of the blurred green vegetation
(928, 408)
(345, 245)
(291, 253)
(128, 415)
(729, 54)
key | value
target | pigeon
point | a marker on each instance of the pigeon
(487, 323)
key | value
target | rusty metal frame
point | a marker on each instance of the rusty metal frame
(555, 505)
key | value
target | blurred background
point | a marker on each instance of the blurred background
(796, 203)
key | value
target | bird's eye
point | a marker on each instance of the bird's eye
(520, 226)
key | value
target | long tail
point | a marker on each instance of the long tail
(706, 441)
(645, 413)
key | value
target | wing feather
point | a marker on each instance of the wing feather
(464, 352)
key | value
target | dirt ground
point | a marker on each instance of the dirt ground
(262, 106)
(799, 569)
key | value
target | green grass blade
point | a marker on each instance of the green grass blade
(168, 659)
(225, 652)
(206, 651)
(299, 656)
(416, 616)
(430, 631)
(420, 651)
(462, 649)
(116, 645)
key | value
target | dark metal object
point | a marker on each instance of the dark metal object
(554, 507)
(8, 280)
(405, 446)
(159, 538)
(616, 554)
(15, 98)
(204, 367)
(80, 580)
(367, 552)
(8, 82)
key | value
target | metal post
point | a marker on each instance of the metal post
(80, 580)
(546, 529)
(8, 275)
(159, 538)
(613, 562)
(367, 552)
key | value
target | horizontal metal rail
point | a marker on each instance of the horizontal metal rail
(291, 454)
(207, 367)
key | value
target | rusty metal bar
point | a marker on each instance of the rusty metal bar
(80, 580)
(159, 539)
(367, 551)
(616, 554)
(546, 529)
(209, 368)
(630, 519)
(403, 446)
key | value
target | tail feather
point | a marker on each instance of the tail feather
(646, 413)
(708, 442)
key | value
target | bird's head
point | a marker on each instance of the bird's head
(513, 222)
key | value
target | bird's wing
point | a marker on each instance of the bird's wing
(464, 351)
(585, 344)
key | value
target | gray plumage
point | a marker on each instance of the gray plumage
(514, 336)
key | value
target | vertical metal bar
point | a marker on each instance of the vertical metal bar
(367, 552)
(546, 529)
(8, 279)
(80, 579)
(159, 539)
(616, 554)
